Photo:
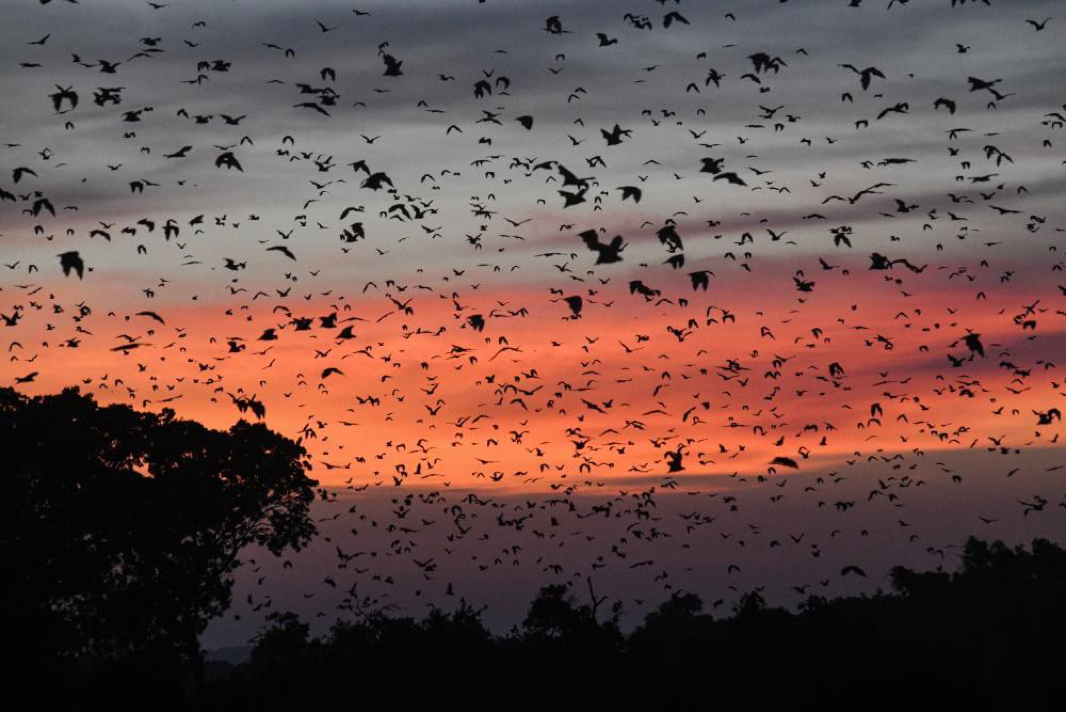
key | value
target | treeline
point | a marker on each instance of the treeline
(992, 633)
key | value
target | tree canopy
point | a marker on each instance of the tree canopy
(121, 529)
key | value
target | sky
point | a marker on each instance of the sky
(385, 261)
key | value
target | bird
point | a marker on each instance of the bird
(606, 253)
(228, 160)
(72, 262)
(865, 75)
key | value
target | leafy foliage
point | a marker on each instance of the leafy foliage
(120, 529)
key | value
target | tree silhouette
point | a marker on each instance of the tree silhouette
(979, 636)
(120, 530)
(282, 644)
(674, 630)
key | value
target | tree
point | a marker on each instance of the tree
(556, 622)
(553, 614)
(281, 645)
(120, 530)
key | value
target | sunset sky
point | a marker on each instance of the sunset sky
(419, 336)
